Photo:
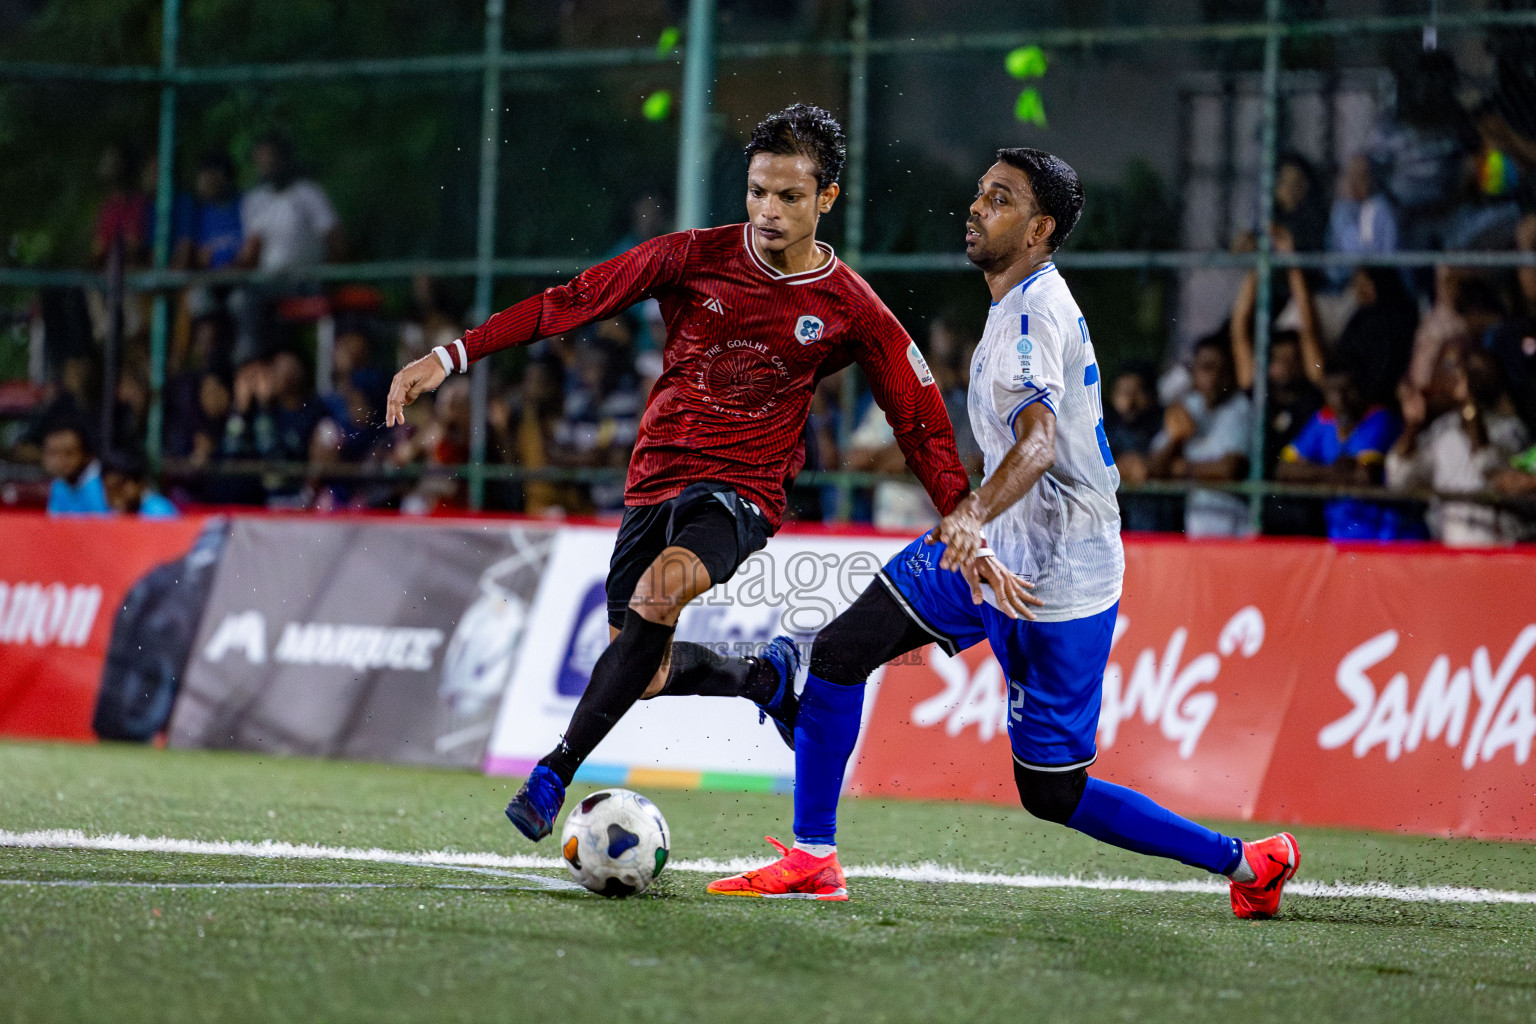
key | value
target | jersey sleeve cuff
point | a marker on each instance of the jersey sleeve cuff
(1043, 397)
(454, 357)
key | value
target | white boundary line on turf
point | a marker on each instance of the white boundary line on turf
(73, 839)
(102, 883)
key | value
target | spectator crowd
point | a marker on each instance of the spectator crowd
(1385, 385)
(1382, 381)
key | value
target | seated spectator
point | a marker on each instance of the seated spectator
(1362, 220)
(1418, 152)
(67, 459)
(289, 225)
(289, 222)
(1291, 397)
(126, 482)
(1295, 360)
(1513, 342)
(430, 323)
(872, 447)
(274, 413)
(1205, 438)
(1465, 310)
(351, 428)
(1345, 444)
(197, 396)
(1460, 451)
(1377, 342)
(1299, 207)
(1131, 422)
(124, 210)
(950, 360)
(523, 424)
(601, 419)
(443, 442)
(898, 504)
(208, 229)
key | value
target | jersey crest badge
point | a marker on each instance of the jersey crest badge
(808, 330)
(713, 305)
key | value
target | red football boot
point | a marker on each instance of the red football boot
(1274, 861)
(794, 876)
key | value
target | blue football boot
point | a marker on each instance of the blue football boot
(536, 806)
(784, 655)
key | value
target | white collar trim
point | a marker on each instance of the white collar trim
(805, 277)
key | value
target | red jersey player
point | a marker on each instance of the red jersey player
(755, 313)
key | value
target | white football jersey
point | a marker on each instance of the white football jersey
(1064, 535)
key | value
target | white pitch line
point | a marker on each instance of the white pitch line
(73, 839)
(101, 883)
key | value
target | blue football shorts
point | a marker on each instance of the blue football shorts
(1055, 670)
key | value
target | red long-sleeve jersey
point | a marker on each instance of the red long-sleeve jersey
(744, 342)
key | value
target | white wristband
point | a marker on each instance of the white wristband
(444, 358)
(984, 552)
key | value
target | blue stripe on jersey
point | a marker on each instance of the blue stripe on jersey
(1023, 323)
(1091, 375)
(1044, 397)
(1024, 284)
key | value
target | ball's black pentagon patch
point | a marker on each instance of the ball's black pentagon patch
(593, 800)
(617, 889)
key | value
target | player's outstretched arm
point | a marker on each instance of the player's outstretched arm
(1032, 454)
(413, 380)
(597, 293)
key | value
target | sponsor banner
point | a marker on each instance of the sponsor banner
(62, 581)
(1292, 682)
(1417, 708)
(796, 585)
(382, 641)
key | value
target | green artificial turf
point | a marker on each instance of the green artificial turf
(440, 945)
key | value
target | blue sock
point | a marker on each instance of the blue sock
(825, 731)
(1123, 817)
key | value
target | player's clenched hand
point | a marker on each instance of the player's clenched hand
(414, 380)
(1013, 596)
(960, 533)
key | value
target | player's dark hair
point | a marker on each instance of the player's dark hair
(1058, 193)
(803, 130)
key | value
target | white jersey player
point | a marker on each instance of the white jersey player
(1044, 518)
(1064, 534)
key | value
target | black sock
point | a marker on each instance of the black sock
(698, 670)
(619, 678)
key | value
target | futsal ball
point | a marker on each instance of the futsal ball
(615, 842)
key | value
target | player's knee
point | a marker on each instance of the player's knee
(675, 578)
(1051, 796)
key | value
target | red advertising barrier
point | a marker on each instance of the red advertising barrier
(1285, 681)
(61, 583)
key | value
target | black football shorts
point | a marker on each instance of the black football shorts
(709, 519)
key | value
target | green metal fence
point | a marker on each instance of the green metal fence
(701, 58)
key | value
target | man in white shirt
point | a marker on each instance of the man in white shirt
(289, 221)
(289, 226)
